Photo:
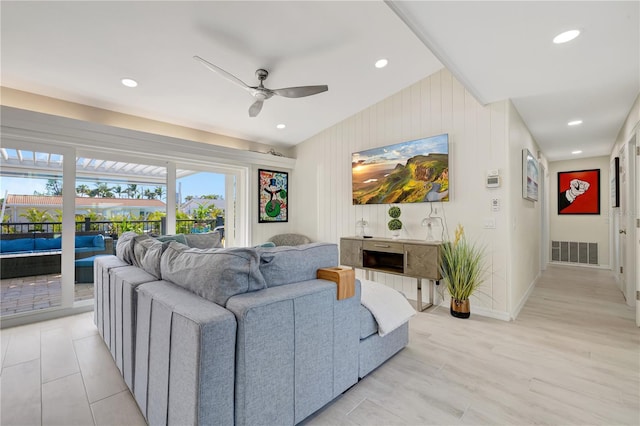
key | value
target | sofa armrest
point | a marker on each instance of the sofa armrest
(184, 364)
(296, 334)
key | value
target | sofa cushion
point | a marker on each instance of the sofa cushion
(17, 245)
(124, 248)
(204, 241)
(146, 254)
(215, 274)
(83, 241)
(368, 324)
(48, 243)
(178, 238)
(98, 242)
(287, 264)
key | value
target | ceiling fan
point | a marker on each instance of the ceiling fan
(260, 92)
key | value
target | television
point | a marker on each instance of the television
(416, 171)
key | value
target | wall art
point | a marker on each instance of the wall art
(273, 196)
(529, 176)
(579, 192)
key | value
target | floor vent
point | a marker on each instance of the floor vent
(574, 252)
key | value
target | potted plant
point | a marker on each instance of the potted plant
(395, 224)
(462, 267)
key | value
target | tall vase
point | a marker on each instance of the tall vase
(460, 308)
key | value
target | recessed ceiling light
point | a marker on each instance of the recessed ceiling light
(574, 123)
(381, 63)
(566, 36)
(281, 126)
(576, 152)
(129, 82)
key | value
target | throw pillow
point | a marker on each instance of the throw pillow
(287, 264)
(214, 274)
(124, 248)
(178, 237)
(147, 253)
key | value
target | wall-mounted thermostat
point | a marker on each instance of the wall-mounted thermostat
(493, 178)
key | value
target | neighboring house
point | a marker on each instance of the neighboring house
(190, 206)
(16, 205)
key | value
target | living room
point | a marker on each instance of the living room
(482, 138)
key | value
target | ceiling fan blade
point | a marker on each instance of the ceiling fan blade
(300, 92)
(255, 108)
(223, 73)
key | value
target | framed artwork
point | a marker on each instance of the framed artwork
(615, 182)
(529, 176)
(273, 196)
(579, 192)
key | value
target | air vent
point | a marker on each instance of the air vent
(574, 252)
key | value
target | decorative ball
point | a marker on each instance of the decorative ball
(394, 212)
(394, 224)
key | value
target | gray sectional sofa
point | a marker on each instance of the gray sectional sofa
(244, 336)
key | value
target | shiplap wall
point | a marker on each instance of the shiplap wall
(479, 140)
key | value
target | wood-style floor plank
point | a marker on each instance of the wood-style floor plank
(572, 357)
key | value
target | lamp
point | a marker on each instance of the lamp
(362, 227)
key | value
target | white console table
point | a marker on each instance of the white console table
(410, 258)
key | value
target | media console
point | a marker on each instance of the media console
(410, 258)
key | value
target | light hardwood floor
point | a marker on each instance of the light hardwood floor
(571, 357)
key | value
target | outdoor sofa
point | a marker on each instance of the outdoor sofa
(39, 253)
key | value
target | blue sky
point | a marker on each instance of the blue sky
(405, 150)
(202, 183)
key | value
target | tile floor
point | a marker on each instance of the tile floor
(37, 292)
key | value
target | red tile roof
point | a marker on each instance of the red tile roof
(94, 202)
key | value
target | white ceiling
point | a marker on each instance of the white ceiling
(79, 51)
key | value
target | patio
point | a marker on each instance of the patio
(26, 294)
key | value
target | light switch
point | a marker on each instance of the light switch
(489, 223)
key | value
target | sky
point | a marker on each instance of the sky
(403, 151)
(202, 183)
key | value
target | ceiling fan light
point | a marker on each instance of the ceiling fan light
(129, 82)
(566, 36)
(381, 63)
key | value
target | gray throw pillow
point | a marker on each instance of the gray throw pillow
(124, 248)
(204, 241)
(178, 237)
(288, 264)
(214, 274)
(147, 252)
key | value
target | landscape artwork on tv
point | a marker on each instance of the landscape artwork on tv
(408, 172)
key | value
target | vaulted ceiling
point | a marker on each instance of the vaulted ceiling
(79, 51)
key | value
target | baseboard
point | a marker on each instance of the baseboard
(524, 299)
(581, 265)
(483, 312)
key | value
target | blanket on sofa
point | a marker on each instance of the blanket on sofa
(388, 306)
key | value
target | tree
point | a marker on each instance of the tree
(36, 217)
(151, 195)
(132, 191)
(118, 190)
(83, 190)
(102, 190)
(53, 187)
(159, 190)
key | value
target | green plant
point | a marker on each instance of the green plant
(462, 266)
(394, 225)
(395, 212)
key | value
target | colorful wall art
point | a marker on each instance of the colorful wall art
(273, 196)
(579, 192)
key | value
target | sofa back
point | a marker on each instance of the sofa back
(288, 264)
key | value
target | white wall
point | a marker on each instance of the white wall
(584, 228)
(524, 216)
(479, 140)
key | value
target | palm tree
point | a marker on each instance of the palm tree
(159, 190)
(118, 190)
(151, 195)
(83, 190)
(102, 190)
(36, 216)
(132, 190)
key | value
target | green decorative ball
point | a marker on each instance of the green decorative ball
(394, 212)
(394, 224)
